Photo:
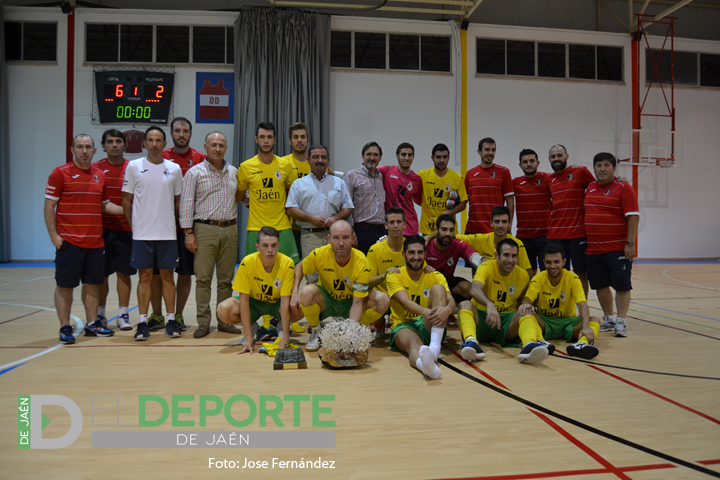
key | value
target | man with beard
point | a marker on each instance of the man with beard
(421, 304)
(403, 187)
(532, 208)
(497, 288)
(298, 138)
(438, 183)
(487, 185)
(443, 253)
(486, 243)
(267, 179)
(343, 289)
(367, 191)
(547, 311)
(567, 218)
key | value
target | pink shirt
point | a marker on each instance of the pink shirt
(445, 261)
(403, 190)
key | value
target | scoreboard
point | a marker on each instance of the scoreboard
(134, 96)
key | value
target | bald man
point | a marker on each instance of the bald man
(207, 215)
(343, 289)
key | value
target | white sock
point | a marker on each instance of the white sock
(611, 318)
(170, 317)
(436, 334)
(427, 360)
(143, 318)
(620, 320)
(122, 311)
(101, 311)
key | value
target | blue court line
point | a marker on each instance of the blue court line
(116, 316)
(675, 311)
(28, 265)
(11, 368)
(713, 261)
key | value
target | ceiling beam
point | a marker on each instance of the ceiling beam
(472, 9)
(615, 15)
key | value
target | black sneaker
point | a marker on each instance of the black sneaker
(95, 329)
(181, 322)
(548, 345)
(142, 332)
(66, 335)
(583, 350)
(533, 353)
(471, 351)
(264, 334)
(172, 329)
(156, 322)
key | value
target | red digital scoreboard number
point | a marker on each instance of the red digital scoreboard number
(140, 97)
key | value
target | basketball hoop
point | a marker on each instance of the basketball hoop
(665, 162)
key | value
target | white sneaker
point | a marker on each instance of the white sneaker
(620, 330)
(313, 345)
(123, 322)
(607, 324)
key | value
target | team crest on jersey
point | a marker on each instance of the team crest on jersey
(511, 290)
(448, 187)
(166, 172)
(492, 174)
(538, 181)
(278, 175)
(607, 192)
(570, 176)
(347, 281)
(450, 262)
(277, 283)
(189, 162)
(562, 296)
(409, 187)
(97, 180)
(426, 292)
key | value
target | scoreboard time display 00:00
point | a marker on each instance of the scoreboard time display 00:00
(134, 97)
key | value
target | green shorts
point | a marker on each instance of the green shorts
(559, 328)
(335, 308)
(416, 326)
(287, 244)
(258, 309)
(485, 334)
(296, 236)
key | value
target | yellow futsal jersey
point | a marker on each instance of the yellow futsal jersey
(505, 291)
(381, 258)
(252, 279)
(339, 282)
(435, 195)
(299, 170)
(267, 185)
(484, 244)
(560, 301)
(418, 291)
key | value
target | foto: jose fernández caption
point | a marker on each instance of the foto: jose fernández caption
(274, 463)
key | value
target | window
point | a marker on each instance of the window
(548, 60)
(31, 42)
(691, 68)
(112, 43)
(389, 51)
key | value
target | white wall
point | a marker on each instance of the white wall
(587, 117)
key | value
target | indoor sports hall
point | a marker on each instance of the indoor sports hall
(638, 79)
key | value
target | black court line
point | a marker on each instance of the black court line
(632, 369)
(674, 328)
(578, 424)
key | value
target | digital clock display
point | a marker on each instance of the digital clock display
(134, 97)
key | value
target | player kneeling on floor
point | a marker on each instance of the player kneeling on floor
(342, 290)
(265, 282)
(421, 304)
(547, 311)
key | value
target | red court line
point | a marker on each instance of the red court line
(486, 375)
(26, 347)
(594, 455)
(677, 404)
(709, 462)
(18, 318)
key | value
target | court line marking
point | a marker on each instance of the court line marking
(10, 368)
(675, 311)
(78, 330)
(564, 356)
(25, 281)
(609, 467)
(21, 316)
(581, 425)
(668, 326)
(686, 283)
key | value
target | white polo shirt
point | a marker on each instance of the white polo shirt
(154, 187)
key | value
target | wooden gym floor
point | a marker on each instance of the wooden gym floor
(648, 407)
